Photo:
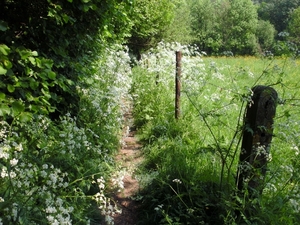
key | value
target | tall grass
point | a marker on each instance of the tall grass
(194, 159)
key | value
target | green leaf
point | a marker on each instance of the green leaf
(45, 101)
(10, 73)
(89, 81)
(17, 107)
(3, 26)
(24, 53)
(93, 7)
(10, 88)
(65, 18)
(23, 84)
(28, 71)
(32, 60)
(48, 63)
(70, 0)
(34, 108)
(85, 1)
(46, 93)
(2, 70)
(4, 49)
(2, 96)
(34, 53)
(33, 84)
(39, 63)
(7, 64)
(86, 8)
(4, 110)
(51, 75)
(29, 96)
(25, 117)
(70, 82)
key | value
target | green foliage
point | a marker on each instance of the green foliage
(56, 171)
(224, 26)
(26, 81)
(190, 169)
(277, 12)
(265, 34)
(285, 46)
(150, 19)
(180, 29)
(294, 25)
(239, 26)
(44, 177)
(65, 38)
(205, 25)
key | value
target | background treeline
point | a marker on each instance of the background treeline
(245, 27)
(241, 27)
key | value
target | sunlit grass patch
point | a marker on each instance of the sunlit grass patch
(201, 149)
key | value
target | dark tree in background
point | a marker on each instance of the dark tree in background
(277, 12)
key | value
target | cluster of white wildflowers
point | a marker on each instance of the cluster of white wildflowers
(159, 207)
(161, 61)
(126, 131)
(9, 156)
(72, 139)
(117, 179)
(57, 212)
(29, 182)
(9, 149)
(296, 149)
(262, 150)
(116, 68)
(245, 167)
(177, 181)
(104, 101)
(104, 203)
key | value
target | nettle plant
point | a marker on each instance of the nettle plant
(56, 172)
(201, 149)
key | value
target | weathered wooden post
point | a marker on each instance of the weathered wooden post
(177, 84)
(157, 73)
(257, 137)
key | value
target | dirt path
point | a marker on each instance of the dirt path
(128, 158)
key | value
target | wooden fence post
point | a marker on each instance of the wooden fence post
(177, 84)
(257, 137)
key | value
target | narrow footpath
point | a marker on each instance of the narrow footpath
(128, 159)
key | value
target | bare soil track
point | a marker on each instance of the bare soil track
(129, 157)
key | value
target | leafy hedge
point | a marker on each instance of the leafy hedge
(63, 76)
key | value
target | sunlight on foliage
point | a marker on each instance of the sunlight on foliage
(201, 149)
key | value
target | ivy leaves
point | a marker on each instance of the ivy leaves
(4, 63)
(26, 81)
